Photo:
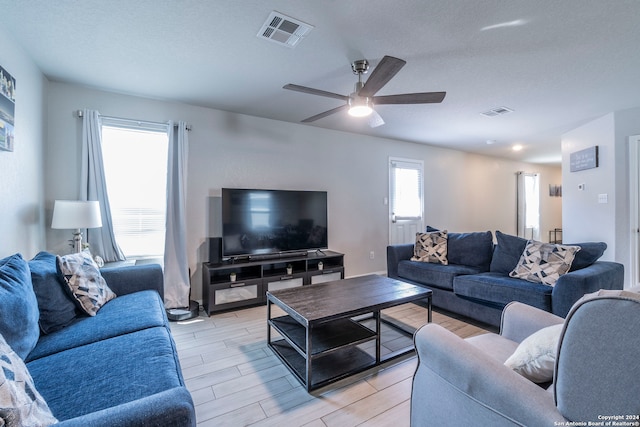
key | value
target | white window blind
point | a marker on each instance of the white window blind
(135, 163)
(406, 189)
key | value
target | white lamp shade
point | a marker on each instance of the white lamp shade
(75, 214)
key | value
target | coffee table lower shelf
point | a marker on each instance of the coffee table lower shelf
(328, 368)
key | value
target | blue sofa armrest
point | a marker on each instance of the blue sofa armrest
(172, 407)
(572, 286)
(395, 254)
(127, 280)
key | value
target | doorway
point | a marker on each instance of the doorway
(406, 200)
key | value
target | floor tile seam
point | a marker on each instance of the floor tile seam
(352, 404)
(236, 409)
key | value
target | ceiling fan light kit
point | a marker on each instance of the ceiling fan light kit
(359, 106)
(360, 103)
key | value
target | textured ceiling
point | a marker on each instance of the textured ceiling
(557, 64)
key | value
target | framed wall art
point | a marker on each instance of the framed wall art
(7, 110)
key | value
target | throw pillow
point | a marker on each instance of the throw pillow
(57, 309)
(87, 286)
(544, 262)
(589, 253)
(472, 249)
(20, 402)
(535, 357)
(431, 247)
(18, 306)
(506, 253)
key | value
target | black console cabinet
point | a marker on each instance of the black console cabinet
(254, 278)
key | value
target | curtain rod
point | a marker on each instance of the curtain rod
(138, 122)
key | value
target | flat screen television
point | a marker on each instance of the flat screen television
(269, 222)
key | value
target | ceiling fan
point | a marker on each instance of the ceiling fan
(361, 101)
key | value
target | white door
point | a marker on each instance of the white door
(406, 195)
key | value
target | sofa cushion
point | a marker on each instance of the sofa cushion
(20, 402)
(431, 247)
(18, 306)
(506, 253)
(535, 357)
(434, 275)
(472, 249)
(107, 373)
(589, 253)
(544, 262)
(57, 309)
(82, 275)
(120, 316)
(500, 290)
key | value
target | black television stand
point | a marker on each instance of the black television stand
(238, 283)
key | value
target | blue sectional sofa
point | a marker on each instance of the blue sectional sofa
(117, 368)
(476, 283)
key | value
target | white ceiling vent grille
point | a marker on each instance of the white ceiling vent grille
(498, 111)
(284, 30)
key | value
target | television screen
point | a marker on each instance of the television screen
(272, 221)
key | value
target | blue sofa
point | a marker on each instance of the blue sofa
(476, 282)
(117, 368)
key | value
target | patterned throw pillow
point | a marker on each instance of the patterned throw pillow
(544, 262)
(20, 402)
(87, 286)
(431, 247)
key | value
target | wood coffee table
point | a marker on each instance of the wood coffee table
(323, 332)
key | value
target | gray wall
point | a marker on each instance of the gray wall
(464, 192)
(21, 171)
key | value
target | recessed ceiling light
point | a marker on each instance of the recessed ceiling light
(517, 147)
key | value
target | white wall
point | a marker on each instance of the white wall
(464, 192)
(584, 218)
(21, 171)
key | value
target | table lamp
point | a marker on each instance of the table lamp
(76, 215)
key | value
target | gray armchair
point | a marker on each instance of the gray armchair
(465, 382)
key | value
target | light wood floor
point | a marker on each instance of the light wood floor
(235, 379)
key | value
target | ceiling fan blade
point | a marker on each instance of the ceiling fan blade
(375, 120)
(325, 114)
(313, 91)
(410, 98)
(386, 69)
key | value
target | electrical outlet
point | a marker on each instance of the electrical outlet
(372, 255)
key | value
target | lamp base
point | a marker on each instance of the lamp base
(185, 313)
(77, 241)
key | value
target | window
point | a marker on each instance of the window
(135, 165)
(529, 205)
(405, 179)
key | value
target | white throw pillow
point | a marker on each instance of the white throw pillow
(535, 357)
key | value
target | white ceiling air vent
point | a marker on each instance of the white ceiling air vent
(284, 30)
(498, 111)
